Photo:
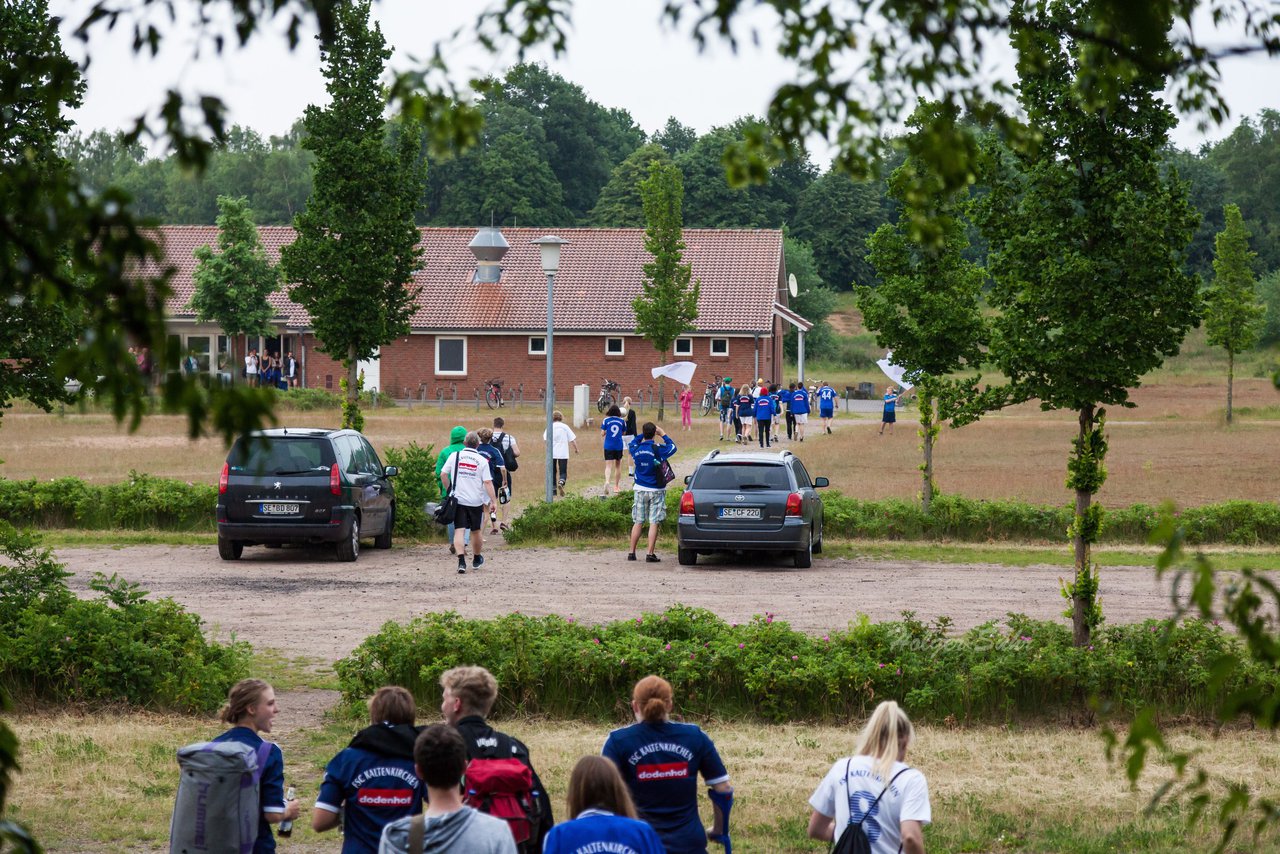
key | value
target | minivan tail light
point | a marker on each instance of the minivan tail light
(223, 478)
(793, 504)
(686, 504)
(335, 482)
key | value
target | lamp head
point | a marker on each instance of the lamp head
(550, 248)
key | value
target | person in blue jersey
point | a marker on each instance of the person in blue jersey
(660, 761)
(725, 395)
(649, 501)
(612, 427)
(250, 709)
(763, 414)
(826, 405)
(371, 782)
(602, 815)
(890, 414)
(745, 404)
(788, 399)
(498, 470)
(800, 409)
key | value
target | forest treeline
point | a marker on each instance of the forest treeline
(551, 156)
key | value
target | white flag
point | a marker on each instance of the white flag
(681, 372)
(894, 372)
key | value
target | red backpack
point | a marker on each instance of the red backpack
(503, 788)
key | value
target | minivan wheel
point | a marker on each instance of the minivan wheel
(817, 544)
(349, 549)
(804, 556)
(383, 540)
(687, 557)
(229, 549)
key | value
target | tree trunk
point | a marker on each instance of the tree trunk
(1231, 373)
(1081, 597)
(353, 390)
(232, 363)
(662, 390)
(928, 417)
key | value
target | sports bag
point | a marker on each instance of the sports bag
(447, 509)
(217, 808)
(508, 453)
(853, 840)
(503, 788)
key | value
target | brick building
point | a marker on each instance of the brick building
(467, 330)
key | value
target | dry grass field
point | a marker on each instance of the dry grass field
(993, 789)
(1173, 445)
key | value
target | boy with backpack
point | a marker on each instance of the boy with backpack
(499, 779)
(726, 394)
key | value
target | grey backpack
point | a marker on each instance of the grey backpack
(217, 809)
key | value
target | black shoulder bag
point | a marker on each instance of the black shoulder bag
(448, 506)
(854, 839)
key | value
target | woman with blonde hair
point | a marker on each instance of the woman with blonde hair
(660, 761)
(250, 709)
(875, 790)
(602, 816)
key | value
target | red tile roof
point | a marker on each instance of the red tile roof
(600, 274)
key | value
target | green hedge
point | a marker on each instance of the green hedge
(119, 647)
(415, 486)
(952, 518)
(142, 501)
(763, 669)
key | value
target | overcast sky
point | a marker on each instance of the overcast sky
(618, 52)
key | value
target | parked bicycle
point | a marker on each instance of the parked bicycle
(610, 393)
(493, 393)
(710, 398)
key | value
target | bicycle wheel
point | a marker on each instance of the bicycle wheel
(604, 401)
(707, 402)
(493, 398)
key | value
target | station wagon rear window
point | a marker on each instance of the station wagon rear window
(737, 477)
(280, 456)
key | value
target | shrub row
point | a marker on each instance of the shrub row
(117, 648)
(952, 517)
(764, 670)
(415, 486)
(142, 501)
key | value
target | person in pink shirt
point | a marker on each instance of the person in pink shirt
(686, 407)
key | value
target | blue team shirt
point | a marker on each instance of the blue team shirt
(660, 764)
(890, 401)
(826, 400)
(613, 427)
(496, 462)
(799, 402)
(372, 791)
(270, 787)
(596, 830)
(648, 456)
(745, 402)
(764, 408)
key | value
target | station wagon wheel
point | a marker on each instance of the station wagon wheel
(229, 549)
(349, 549)
(817, 544)
(804, 556)
(383, 540)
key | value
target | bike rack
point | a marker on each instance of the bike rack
(477, 397)
(440, 397)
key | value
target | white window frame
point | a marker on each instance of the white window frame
(541, 339)
(686, 350)
(444, 373)
(622, 346)
(712, 347)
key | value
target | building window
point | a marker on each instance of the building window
(613, 347)
(684, 347)
(451, 355)
(537, 345)
(719, 346)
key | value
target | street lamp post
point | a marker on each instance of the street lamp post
(550, 249)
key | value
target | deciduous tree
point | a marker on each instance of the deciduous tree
(232, 284)
(926, 308)
(357, 244)
(619, 204)
(1232, 313)
(668, 302)
(1087, 247)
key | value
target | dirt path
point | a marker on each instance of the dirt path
(306, 603)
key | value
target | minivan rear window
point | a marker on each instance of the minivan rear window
(739, 476)
(280, 455)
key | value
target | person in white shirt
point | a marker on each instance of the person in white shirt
(562, 438)
(875, 789)
(466, 476)
(251, 367)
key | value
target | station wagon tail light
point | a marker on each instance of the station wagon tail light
(223, 478)
(686, 504)
(793, 504)
(335, 482)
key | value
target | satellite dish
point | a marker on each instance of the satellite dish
(791, 284)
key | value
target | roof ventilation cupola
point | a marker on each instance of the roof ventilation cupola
(489, 246)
